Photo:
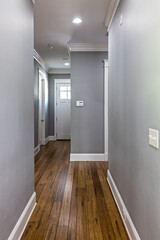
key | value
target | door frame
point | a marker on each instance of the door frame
(41, 94)
(56, 81)
(106, 68)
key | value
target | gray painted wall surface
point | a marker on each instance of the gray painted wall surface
(38, 67)
(87, 123)
(17, 112)
(134, 107)
(51, 99)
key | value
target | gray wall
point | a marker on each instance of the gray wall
(51, 99)
(38, 67)
(134, 106)
(87, 123)
(17, 112)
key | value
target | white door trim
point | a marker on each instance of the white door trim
(106, 109)
(56, 81)
(41, 77)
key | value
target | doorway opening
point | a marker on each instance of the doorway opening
(42, 102)
(106, 66)
(62, 113)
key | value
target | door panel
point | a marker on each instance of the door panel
(63, 111)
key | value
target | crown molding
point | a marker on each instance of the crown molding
(111, 12)
(88, 47)
(39, 59)
(59, 71)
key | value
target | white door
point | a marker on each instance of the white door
(41, 109)
(63, 113)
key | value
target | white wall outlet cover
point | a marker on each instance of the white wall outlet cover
(154, 138)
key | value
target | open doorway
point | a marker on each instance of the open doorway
(106, 66)
(41, 128)
(62, 108)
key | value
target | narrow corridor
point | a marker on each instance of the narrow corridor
(74, 201)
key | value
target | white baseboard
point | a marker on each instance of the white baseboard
(46, 140)
(87, 157)
(130, 228)
(52, 138)
(20, 226)
(36, 150)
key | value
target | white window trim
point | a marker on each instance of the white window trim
(67, 91)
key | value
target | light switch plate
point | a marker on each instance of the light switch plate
(154, 138)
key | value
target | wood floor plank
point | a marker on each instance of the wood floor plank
(61, 184)
(74, 201)
(65, 209)
(39, 188)
(51, 227)
(106, 226)
(82, 218)
(81, 175)
(111, 206)
(61, 233)
(50, 235)
(72, 229)
(94, 222)
(30, 231)
(41, 226)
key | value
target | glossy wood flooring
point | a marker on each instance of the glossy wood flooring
(74, 201)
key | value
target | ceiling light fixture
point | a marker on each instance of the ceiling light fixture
(77, 20)
(50, 46)
(66, 64)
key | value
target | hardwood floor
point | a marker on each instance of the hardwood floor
(74, 201)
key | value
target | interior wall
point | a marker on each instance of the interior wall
(38, 67)
(87, 84)
(134, 107)
(17, 112)
(51, 99)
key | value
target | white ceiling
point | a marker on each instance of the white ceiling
(53, 25)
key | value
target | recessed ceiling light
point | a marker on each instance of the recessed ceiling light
(66, 64)
(77, 20)
(50, 46)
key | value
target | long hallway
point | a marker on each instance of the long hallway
(74, 201)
